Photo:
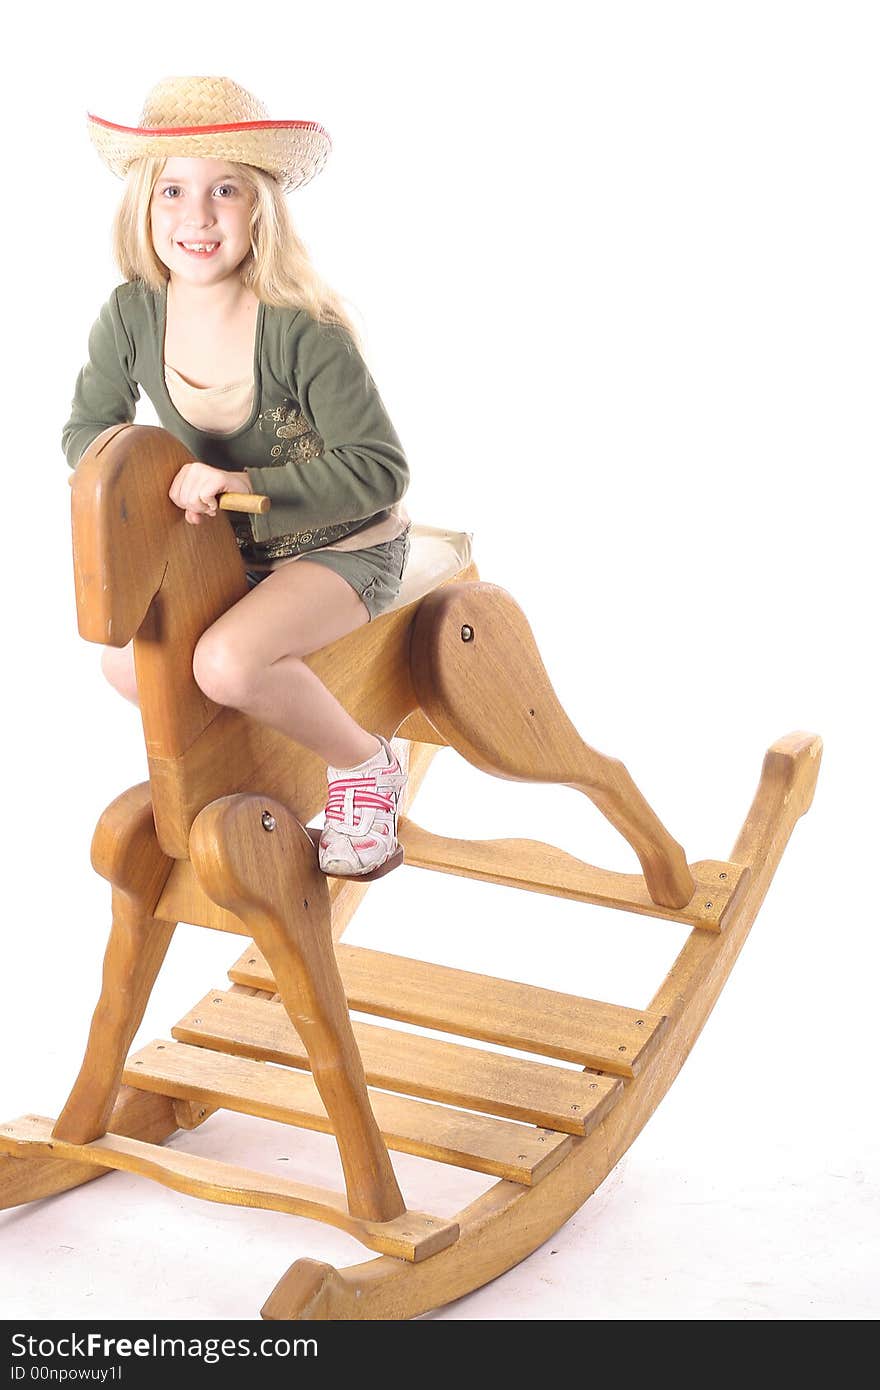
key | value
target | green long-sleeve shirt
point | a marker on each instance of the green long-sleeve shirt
(318, 442)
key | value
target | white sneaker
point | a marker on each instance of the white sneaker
(360, 826)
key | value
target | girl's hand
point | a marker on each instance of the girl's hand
(196, 487)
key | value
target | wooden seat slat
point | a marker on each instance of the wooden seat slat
(609, 1037)
(482, 1143)
(473, 1078)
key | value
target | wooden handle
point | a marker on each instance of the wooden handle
(233, 501)
(244, 502)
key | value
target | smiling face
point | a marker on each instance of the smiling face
(199, 219)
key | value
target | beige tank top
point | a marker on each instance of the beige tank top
(220, 410)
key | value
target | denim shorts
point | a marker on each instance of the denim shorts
(375, 573)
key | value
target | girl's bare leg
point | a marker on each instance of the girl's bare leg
(117, 663)
(251, 660)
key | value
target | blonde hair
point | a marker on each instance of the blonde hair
(277, 268)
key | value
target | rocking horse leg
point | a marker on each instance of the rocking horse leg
(136, 1114)
(125, 851)
(480, 680)
(254, 858)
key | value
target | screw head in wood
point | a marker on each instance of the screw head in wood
(467, 633)
(268, 820)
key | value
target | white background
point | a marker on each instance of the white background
(616, 266)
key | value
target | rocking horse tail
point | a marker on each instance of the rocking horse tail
(479, 678)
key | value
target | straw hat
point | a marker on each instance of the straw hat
(213, 118)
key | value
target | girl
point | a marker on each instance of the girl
(250, 360)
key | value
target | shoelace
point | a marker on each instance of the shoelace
(346, 795)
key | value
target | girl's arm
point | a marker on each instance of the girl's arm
(362, 468)
(105, 393)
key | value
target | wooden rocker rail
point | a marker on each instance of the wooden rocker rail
(560, 1085)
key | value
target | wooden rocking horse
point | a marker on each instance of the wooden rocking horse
(218, 838)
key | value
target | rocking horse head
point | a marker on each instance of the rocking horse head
(144, 574)
(134, 553)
